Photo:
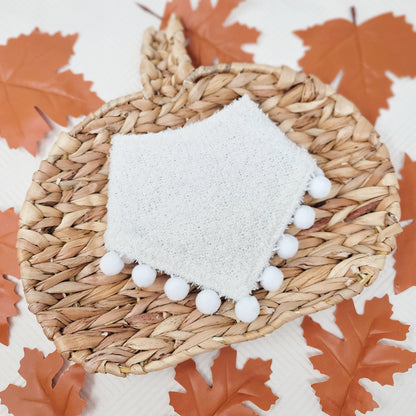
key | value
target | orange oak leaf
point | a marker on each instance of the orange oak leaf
(406, 241)
(41, 396)
(30, 84)
(364, 52)
(208, 37)
(8, 299)
(359, 355)
(230, 387)
(9, 221)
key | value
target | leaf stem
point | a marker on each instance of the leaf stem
(354, 15)
(147, 10)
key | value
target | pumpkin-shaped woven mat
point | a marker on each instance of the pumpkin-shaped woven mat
(111, 326)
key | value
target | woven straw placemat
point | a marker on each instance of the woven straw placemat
(108, 324)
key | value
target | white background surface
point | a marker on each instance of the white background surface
(107, 52)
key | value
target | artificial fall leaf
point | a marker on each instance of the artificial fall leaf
(208, 37)
(30, 83)
(40, 396)
(405, 259)
(406, 241)
(364, 52)
(407, 189)
(359, 355)
(230, 387)
(8, 299)
(9, 224)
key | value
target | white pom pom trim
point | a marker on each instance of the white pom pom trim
(176, 289)
(247, 309)
(287, 246)
(208, 301)
(271, 278)
(319, 187)
(304, 217)
(143, 275)
(111, 263)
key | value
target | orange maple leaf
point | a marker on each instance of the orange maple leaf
(29, 82)
(40, 396)
(9, 221)
(208, 37)
(406, 241)
(230, 387)
(364, 53)
(359, 355)
(8, 299)
(405, 259)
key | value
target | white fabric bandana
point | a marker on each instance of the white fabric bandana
(206, 202)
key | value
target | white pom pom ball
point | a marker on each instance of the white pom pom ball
(111, 263)
(304, 217)
(319, 187)
(287, 246)
(208, 301)
(247, 309)
(319, 172)
(143, 275)
(176, 288)
(271, 278)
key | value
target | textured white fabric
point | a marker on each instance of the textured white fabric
(209, 201)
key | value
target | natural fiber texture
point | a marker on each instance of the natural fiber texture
(228, 189)
(109, 325)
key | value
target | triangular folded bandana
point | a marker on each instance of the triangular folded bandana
(206, 202)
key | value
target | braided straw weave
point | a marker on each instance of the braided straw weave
(111, 326)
